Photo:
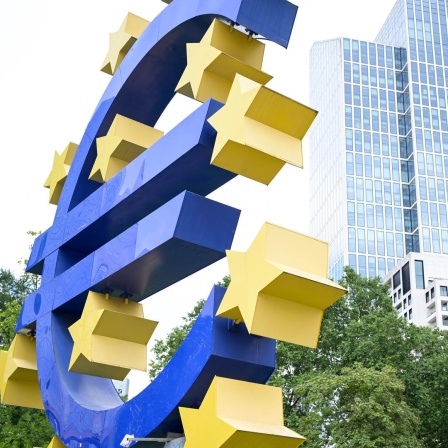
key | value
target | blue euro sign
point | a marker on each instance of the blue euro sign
(145, 229)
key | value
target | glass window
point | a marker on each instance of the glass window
(371, 242)
(443, 216)
(389, 218)
(350, 188)
(426, 240)
(351, 213)
(360, 214)
(372, 267)
(386, 168)
(368, 165)
(358, 141)
(355, 50)
(380, 243)
(435, 240)
(419, 274)
(399, 245)
(397, 194)
(348, 117)
(387, 193)
(444, 291)
(369, 190)
(361, 241)
(359, 190)
(444, 241)
(350, 165)
(390, 244)
(424, 213)
(370, 213)
(396, 280)
(434, 214)
(351, 239)
(355, 71)
(377, 167)
(365, 74)
(363, 46)
(406, 278)
(348, 94)
(347, 72)
(362, 265)
(398, 218)
(378, 192)
(359, 165)
(372, 54)
(357, 117)
(347, 49)
(381, 267)
(349, 139)
(365, 96)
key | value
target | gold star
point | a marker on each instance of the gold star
(259, 131)
(214, 62)
(125, 140)
(279, 287)
(59, 172)
(56, 443)
(238, 414)
(19, 385)
(110, 338)
(121, 42)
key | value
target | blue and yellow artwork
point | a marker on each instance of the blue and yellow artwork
(133, 218)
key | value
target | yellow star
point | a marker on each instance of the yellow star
(19, 385)
(238, 414)
(279, 287)
(110, 338)
(214, 62)
(121, 42)
(125, 140)
(56, 443)
(259, 131)
(61, 166)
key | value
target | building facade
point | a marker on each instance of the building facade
(379, 146)
(418, 287)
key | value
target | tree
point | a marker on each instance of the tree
(373, 381)
(19, 427)
(360, 407)
(164, 349)
(361, 332)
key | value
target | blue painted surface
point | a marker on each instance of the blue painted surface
(139, 233)
(88, 410)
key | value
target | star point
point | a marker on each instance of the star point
(121, 42)
(259, 130)
(216, 59)
(19, 385)
(125, 140)
(279, 287)
(238, 414)
(110, 338)
(59, 172)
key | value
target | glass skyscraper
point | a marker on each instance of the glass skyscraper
(379, 146)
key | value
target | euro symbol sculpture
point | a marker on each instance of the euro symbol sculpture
(132, 218)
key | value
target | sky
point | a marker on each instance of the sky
(50, 83)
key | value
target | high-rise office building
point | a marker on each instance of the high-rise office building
(379, 146)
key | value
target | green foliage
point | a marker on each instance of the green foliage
(19, 427)
(362, 336)
(23, 428)
(360, 407)
(373, 381)
(164, 349)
